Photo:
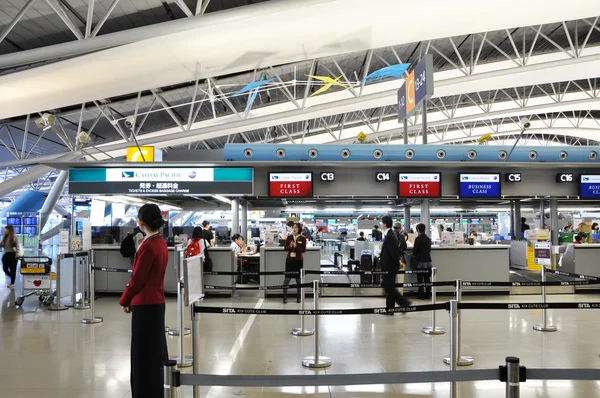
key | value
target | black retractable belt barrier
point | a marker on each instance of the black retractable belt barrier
(526, 306)
(379, 285)
(523, 284)
(356, 311)
(417, 271)
(105, 269)
(213, 287)
(248, 273)
(579, 276)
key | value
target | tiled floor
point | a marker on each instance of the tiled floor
(51, 354)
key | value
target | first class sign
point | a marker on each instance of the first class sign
(290, 185)
(423, 185)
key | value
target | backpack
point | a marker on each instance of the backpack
(128, 246)
(193, 249)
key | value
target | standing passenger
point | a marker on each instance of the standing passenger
(390, 262)
(422, 251)
(295, 245)
(144, 298)
(10, 244)
(207, 233)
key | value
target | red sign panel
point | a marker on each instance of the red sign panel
(286, 185)
(420, 185)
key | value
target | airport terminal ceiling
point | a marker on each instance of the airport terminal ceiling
(485, 82)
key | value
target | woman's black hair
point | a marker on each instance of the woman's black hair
(594, 225)
(151, 215)
(197, 234)
(299, 226)
(578, 238)
(236, 237)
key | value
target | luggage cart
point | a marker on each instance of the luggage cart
(36, 278)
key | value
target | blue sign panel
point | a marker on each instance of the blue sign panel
(417, 87)
(479, 185)
(589, 187)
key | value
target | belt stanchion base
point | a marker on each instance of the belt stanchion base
(93, 319)
(461, 360)
(544, 327)
(175, 331)
(433, 329)
(56, 304)
(302, 331)
(316, 361)
(170, 374)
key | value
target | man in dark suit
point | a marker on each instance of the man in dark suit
(390, 262)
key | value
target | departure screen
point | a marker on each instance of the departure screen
(13, 221)
(589, 186)
(290, 185)
(30, 221)
(479, 185)
(29, 230)
(413, 185)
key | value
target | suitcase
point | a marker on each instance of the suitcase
(366, 264)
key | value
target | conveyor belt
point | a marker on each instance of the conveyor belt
(521, 275)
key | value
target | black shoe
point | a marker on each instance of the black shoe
(298, 300)
(406, 303)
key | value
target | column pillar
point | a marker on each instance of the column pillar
(542, 211)
(554, 221)
(407, 219)
(235, 216)
(244, 217)
(512, 220)
(425, 216)
(517, 219)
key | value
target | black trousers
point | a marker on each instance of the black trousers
(424, 292)
(148, 351)
(9, 265)
(392, 295)
(292, 266)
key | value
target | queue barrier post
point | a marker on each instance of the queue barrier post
(83, 304)
(178, 263)
(169, 376)
(56, 304)
(453, 343)
(302, 331)
(460, 359)
(513, 389)
(544, 327)
(182, 360)
(195, 348)
(433, 329)
(316, 361)
(93, 319)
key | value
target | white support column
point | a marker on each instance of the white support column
(235, 216)
(52, 198)
(554, 221)
(244, 218)
(407, 219)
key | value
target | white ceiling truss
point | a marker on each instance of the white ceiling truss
(484, 82)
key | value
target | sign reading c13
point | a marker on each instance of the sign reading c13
(417, 88)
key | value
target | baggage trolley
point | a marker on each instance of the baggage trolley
(36, 278)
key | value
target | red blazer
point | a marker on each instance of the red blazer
(298, 250)
(146, 285)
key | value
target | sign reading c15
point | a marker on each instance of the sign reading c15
(328, 177)
(512, 177)
(417, 88)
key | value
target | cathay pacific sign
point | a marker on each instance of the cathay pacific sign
(170, 175)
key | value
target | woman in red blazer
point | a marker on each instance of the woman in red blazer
(295, 245)
(144, 298)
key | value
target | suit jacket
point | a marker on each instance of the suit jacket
(390, 256)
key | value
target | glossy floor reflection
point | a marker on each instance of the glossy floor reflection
(51, 354)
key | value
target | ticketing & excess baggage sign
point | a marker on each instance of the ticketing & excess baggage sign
(423, 185)
(162, 180)
(286, 185)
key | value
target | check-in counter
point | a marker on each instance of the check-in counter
(582, 259)
(273, 259)
(109, 256)
(223, 261)
(485, 263)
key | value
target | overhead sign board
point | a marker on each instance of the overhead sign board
(589, 186)
(417, 87)
(512, 177)
(383, 177)
(290, 185)
(162, 181)
(565, 177)
(143, 154)
(423, 185)
(328, 176)
(479, 185)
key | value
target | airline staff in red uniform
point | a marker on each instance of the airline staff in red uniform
(295, 245)
(144, 298)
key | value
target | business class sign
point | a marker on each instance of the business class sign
(162, 181)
